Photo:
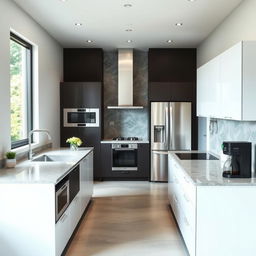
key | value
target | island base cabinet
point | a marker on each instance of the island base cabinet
(86, 181)
(226, 221)
(214, 220)
(182, 197)
(62, 232)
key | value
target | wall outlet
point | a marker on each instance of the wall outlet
(111, 123)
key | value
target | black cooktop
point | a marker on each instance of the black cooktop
(196, 156)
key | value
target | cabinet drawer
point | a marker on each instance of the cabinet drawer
(188, 188)
(186, 205)
(62, 232)
(188, 232)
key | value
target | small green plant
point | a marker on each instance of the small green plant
(74, 141)
(10, 155)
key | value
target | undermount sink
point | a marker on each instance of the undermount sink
(50, 158)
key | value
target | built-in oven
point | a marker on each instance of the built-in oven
(61, 197)
(124, 157)
(81, 117)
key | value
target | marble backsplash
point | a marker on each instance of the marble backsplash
(226, 130)
(126, 122)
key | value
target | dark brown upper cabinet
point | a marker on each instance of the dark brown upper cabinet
(83, 65)
(172, 65)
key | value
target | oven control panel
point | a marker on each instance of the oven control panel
(124, 146)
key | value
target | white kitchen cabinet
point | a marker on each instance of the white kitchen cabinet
(226, 84)
(62, 231)
(28, 224)
(86, 181)
(208, 89)
(75, 212)
(213, 219)
(182, 196)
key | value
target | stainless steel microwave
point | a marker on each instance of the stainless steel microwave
(81, 117)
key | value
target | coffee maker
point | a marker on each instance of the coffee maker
(239, 162)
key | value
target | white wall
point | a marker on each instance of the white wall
(50, 56)
(239, 25)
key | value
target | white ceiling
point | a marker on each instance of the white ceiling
(152, 21)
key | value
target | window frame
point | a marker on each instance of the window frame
(29, 87)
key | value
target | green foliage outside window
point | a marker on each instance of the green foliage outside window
(16, 90)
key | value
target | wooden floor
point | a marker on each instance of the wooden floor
(128, 219)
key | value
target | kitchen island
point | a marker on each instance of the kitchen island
(31, 219)
(216, 215)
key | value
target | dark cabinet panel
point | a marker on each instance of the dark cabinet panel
(81, 94)
(91, 137)
(172, 65)
(172, 91)
(83, 65)
(143, 164)
(106, 159)
(143, 160)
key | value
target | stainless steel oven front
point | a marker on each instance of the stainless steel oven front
(61, 198)
(124, 157)
(81, 117)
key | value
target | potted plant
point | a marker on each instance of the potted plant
(10, 159)
(74, 143)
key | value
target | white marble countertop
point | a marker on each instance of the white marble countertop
(125, 141)
(208, 172)
(44, 172)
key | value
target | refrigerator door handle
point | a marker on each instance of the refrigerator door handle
(171, 129)
(167, 127)
(160, 152)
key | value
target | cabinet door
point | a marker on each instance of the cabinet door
(75, 212)
(143, 161)
(90, 169)
(231, 83)
(106, 160)
(83, 184)
(62, 232)
(208, 89)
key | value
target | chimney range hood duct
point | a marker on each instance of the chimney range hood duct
(125, 80)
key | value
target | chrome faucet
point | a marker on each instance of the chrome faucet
(30, 153)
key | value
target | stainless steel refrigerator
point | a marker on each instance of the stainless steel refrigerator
(170, 130)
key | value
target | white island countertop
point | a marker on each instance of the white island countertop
(44, 172)
(208, 172)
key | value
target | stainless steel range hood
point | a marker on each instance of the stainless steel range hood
(125, 80)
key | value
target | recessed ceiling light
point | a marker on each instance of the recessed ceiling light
(127, 5)
(128, 30)
(169, 41)
(78, 24)
(129, 41)
(179, 24)
(191, 0)
(89, 41)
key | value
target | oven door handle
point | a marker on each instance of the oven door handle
(124, 149)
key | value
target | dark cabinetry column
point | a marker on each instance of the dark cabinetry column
(172, 77)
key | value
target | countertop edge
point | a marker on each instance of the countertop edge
(226, 182)
(4, 181)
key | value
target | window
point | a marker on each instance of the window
(20, 90)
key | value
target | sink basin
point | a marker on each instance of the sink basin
(43, 158)
(51, 158)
